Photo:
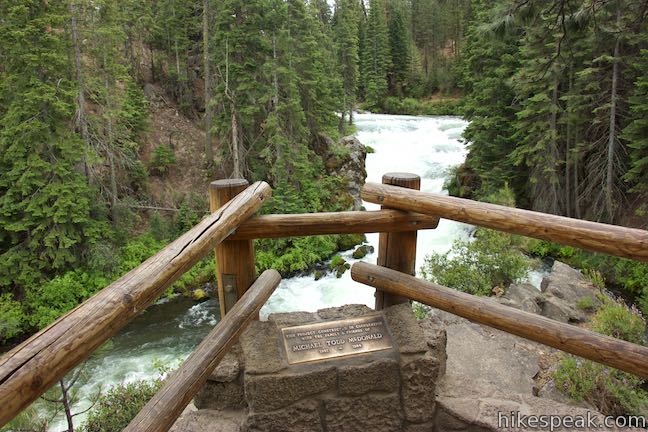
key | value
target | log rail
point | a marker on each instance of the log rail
(31, 368)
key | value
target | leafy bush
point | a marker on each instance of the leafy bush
(586, 304)
(11, 318)
(162, 160)
(289, 256)
(613, 392)
(60, 295)
(616, 320)
(410, 106)
(115, 409)
(477, 266)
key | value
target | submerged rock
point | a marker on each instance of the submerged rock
(199, 295)
(362, 251)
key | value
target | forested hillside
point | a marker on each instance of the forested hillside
(115, 115)
(556, 93)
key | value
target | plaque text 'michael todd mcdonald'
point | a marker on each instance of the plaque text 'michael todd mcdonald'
(330, 339)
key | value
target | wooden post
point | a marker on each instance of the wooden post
(234, 258)
(397, 251)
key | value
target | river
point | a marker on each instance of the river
(169, 330)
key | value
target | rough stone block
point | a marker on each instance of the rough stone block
(292, 318)
(347, 311)
(419, 376)
(208, 421)
(270, 392)
(221, 396)
(405, 329)
(261, 347)
(301, 417)
(227, 370)
(380, 375)
(423, 427)
(368, 413)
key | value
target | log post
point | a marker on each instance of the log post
(235, 268)
(397, 250)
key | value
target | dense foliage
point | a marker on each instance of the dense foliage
(480, 264)
(115, 409)
(612, 392)
(556, 96)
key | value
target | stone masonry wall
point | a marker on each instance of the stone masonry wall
(389, 390)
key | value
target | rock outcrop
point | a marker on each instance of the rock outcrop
(566, 295)
(345, 159)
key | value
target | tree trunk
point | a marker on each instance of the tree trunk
(66, 406)
(612, 136)
(553, 151)
(235, 147)
(209, 150)
(80, 118)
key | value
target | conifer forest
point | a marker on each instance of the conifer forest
(556, 93)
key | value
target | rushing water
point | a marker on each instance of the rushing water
(168, 331)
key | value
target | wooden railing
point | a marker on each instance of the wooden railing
(31, 368)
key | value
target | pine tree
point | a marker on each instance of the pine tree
(399, 48)
(377, 46)
(540, 141)
(489, 60)
(346, 31)
(46, 217)
(636, 133)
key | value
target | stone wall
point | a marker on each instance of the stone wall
(388, 390)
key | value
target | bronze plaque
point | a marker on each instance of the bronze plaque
(324, 340)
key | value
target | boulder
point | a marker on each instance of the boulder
(525, 297)
(208, 421)
(569, 285)
(345, 159)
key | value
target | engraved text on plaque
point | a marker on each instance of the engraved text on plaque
(324, 340)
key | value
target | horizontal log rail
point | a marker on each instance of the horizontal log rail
(30, 369)
(161, 412)
(610, 239)
(351, 222)
(603, 349)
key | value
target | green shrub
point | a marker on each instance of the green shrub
(115, 409)
(617, 320)
(12, 318)
(370, 149)
(478, 265)
(292, 255)
(162, 160)
(61, 294)
(613, 392)
(336, 261)
(586, 304)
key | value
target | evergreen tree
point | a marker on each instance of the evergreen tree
(46, 217)
(636, 133)
(489, 61)
(399, 48)
(346, 31)
(377, 54)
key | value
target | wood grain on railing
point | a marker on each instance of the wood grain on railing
(610, 239)
(603, 349)
(162, 411)
(397, 250)
(350, 222)
(35, 365)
